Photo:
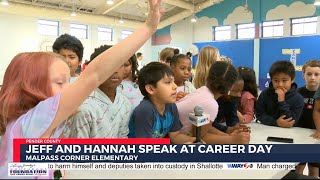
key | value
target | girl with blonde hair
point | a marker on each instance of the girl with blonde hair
(207, 56)
(166, 55)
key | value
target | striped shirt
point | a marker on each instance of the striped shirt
(99, 117)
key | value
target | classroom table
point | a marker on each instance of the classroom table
(259, 134)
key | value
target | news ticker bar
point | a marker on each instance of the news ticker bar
(155, 151)
(42, 169)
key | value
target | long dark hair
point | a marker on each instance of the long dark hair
(249, 78)
(221, 77)
(134, 71)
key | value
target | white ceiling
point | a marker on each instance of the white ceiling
(133, 10)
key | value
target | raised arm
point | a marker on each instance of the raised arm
(104, 65)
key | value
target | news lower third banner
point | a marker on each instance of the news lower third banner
(155, 150)
(43, 169)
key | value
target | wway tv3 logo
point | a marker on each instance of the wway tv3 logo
(240, 166)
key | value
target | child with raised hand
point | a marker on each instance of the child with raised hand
(311, 74)
(36, 98)
(248, 95)
(280, 104)
(157, 116)
(181, 66)
(221, 78)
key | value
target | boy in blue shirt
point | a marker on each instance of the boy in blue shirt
(157, 116)
(280, 104)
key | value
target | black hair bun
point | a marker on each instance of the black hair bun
(176, 51)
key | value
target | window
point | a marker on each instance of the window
(49, 28)
(78, 30)
(246, 31)
(272, 28)
(302, 26)
(125, 34)
(222, 33)
(104, 34)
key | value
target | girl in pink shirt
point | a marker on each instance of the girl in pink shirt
(248, 96)
(221, 78)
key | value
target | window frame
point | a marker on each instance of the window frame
(44, 24)
(106, 28)
(237, 30)
(77, 24)
(303, 23)
(214, 29)
(273, 26)
(128, 34)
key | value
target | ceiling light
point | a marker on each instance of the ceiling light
(73, 13)
(4, 3)
(121, 21)
(194, 18)
(317, 2)
(110, 2)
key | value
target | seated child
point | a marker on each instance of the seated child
(248, 95)
(157, 116)
(181, 66)
(228, 105)
(311, 74)
(105, 113)
(280, 104)
(129, 86)
(221, 77)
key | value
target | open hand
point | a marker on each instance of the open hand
(155, 13)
